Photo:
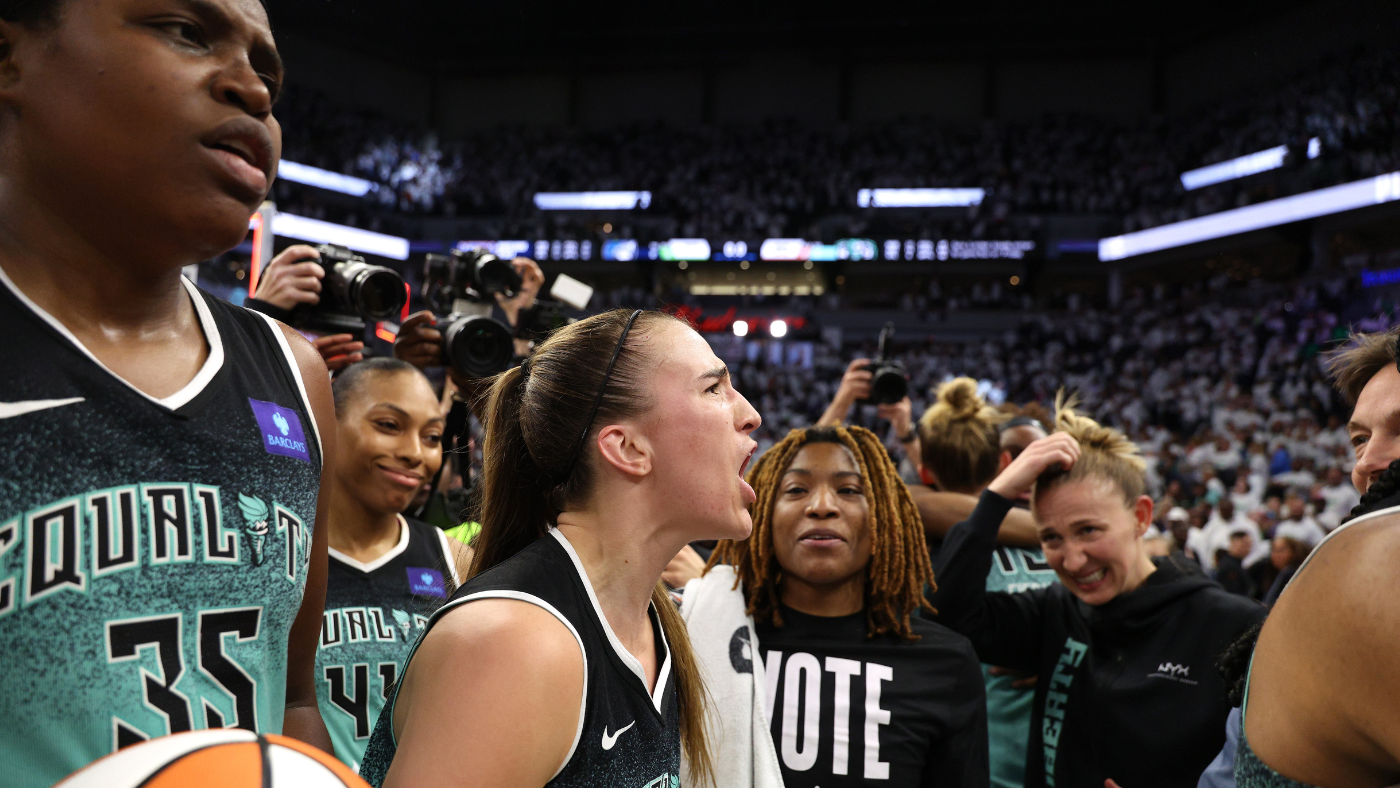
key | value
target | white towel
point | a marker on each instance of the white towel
(726, 647)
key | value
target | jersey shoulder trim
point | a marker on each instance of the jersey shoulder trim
(663, 674)
(281, 340)
(449, 554)
(519, 596)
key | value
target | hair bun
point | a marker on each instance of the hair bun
(1093, 436)
(959, 396)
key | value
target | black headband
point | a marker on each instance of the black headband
(1023, 421)
(598, 400)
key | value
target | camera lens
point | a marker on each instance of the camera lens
(888, 386)
(478, 347)
(494, 275)
(378, 293)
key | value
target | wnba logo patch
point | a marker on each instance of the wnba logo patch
(281, 430)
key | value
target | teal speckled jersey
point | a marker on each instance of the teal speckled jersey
(1009, 709)
(153, 553)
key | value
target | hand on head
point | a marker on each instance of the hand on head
(1057, 449)
(293, 277)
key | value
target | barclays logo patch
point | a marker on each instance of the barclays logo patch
(426, 582)
(281, 430)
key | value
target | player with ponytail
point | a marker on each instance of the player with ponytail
(561, 661)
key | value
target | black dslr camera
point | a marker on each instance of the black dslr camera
(352, 292)
(462, 285)
(889, 381)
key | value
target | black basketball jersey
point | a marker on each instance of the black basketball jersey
(374, 614)
(153, 553)
(626, 737)
(847, 710)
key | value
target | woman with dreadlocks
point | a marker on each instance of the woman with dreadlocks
(862, 689)
(1124, 646)
(1319, 687)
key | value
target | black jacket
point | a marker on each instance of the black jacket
(1127, 690)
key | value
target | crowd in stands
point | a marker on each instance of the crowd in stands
(1230, 402)
(777, 179)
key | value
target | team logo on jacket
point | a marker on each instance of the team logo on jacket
(1173, 672)
(281, 430)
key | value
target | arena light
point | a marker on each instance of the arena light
(290, 225)
(1241, 167)
(919, 198)
(777, 329)
(592, 201)
(325, 179)
(1308, 205)
(741, 328)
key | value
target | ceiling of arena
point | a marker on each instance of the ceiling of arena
(488, 36)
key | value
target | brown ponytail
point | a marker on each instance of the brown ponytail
(534, 424)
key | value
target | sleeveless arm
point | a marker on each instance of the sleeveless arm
(303, 715)
(1322, 687)
(1005, 629)
(492, 697)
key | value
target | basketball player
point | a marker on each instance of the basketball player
(618, 443)
(387, 573)
(1124, 646)
(963, 450)
(1319, 702)
(162, 551)
(861, 689)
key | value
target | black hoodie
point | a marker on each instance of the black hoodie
(1127, 690)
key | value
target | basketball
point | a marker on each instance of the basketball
(223, 758)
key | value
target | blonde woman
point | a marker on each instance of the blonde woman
(1124, 646)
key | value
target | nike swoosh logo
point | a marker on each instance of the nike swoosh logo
(609, 741)
(9, 410)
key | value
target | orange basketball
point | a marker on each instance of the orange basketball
(223, 758)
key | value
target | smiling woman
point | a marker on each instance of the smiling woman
(387, 573)
(170, 453)
(1124, 646)
(833, 578)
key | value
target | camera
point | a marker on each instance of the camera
(547, 315)
(352, 292)
(462, 285)
(889, 381)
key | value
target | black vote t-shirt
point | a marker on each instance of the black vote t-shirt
(847, 710)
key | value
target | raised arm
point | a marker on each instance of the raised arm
(1006, 629)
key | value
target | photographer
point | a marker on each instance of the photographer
(420, 342)
(294, 277)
